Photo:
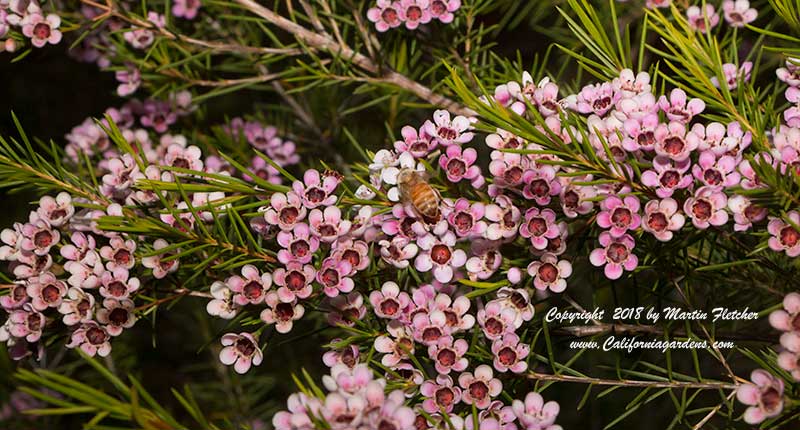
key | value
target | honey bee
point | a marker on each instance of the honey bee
(416, 191)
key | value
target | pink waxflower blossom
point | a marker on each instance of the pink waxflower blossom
(417, 143)
(539, 226)
(27, 323)
(42, 30)
(733, 75)
(706, 208)
(738, 13)
(46, 291)
(385, 15)
(764, 396)
(640, 133)
(285, 210)
(328, 225)
(509, 354)
(263, 170)
(116, 315)
(745, 213)
(398, 252)
(251, 287)
(159, 115)
(789, 74)
(549, 272)
(540, 185)
(674, 141)
(455, 310)
(466, 218)
(56, 211)
(16, 297)
(389, 302)
(504, 217)
(317, 190)
(630, 84)
(788, 318)
(119, 253)
(443, 9)
(429, 327)
(597, 99)
(507, 168)
(116, 284)
(159, 263)
(619, 215)
(790, 361)
(667, 176)
(480, 387)
(294, 281)
(576, 199)
(398, 346)
(448, 354)
(347, 355)
(661, 218)
(280, 313)
(519, 301)
(784, 235)
(78, 307)
(299, 245)
(447, 131)
(414, 13)
(355, 252)
(440, 394)
(222, 304)
(485, 259)
(129, 80)
(438, 254)
(497, 320)
(38, 236)
(716, 173)
(616, 254)
(535, 414)
(347, 309)
(458, 164)
(504, 140)
(29, 265)
(92, 339)
(332, 275)
(184, 157)
(186, 9)
(678, 108)
(652, 4)
(241, 350)
(702, 20)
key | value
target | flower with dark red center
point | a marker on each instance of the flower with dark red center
(389, 302)
(117, 284)
(443, 9)
(299, 245)
(294, 281)
(116, 315)
(285, 210)
(77, 308)
(466, 218)
(662, 218)
(539, 226)
(459, 164)
(616, 254)
(785, 235)
(38, 236)
(440, 394)
(119, 253)
(480, 387)
(674, 141)
(241, 350)
(438, 254)
(496, 320)
(56, 211)
(92, 339)
(41, 30)
(46, 291)
(448, 354)
(509, 354)
(414, 13)
(397, 346)
(667, 177)
(317, 190)
(429, 327)
(251, 287)
(764, 396)
(678, 109)
(346, 309)
(280, 313)
(549, 272)
(707, 208)
(328, 225)
(385, 15)
(160, 263)
(540, 185)
(333, 275)
(619, 215)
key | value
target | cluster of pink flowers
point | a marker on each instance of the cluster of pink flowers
(392, 13)
(787, 320)
(28, 18)
(358, 401)
(94, 296)
(737, 13)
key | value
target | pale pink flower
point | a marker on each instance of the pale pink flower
(702, 20)
(430, 326)
(485, 259)
(443, 9)
(116, 315)
(597, 99)
(661, 218)
(448, 354)
(640, 133)
(222, 304)
(299, 245)
(16, 297)
(764, 396)
(251, 287)
(541, 184)
(46, 291)
(285, 210)
(77, 308)
(458, 164)
(619, 214)
(186, 9)
(480, 387)
(38, 236)
(745, 212)
(389, 302)
(241, 350)
(738, 13)
(398, 252)
(282, 314)
(119, 253)
(385, 15)
(785, 236)
(317, 190)
(332, 275)
(347, 309)
(504, 217)
(158, 262)
(56, 211)
(678, 108)
(667, 176)
(788, 318)
(447, 131)
(510, 354)
(549, 272)
(616, 254)
(733, 75)
(438, 254)
(519, 301)
(440, 394)
(328, 225)
(116, 284)
(535, 414)
(414, 13)
(706, 208)
(92, 339)
(674, 141)
(42, 30)
(294, 281)
(539, 226)
(497, 320)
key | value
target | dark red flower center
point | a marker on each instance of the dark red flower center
(300, 248)
(284, 311)
(456, 167)
(51, 294)
(181, 162)
(389, 15)
(478, 390)
(657, 221)
(19, 293)
(513, 175)
(327, 230)
(83, 307)
(621, 217)
(43, 239)
(507, 356)
(539, 187)
(438, 7)
(117, 288)
(445, 396)
(771, 399)
(58, 213)
(518, 300)
(446, 357)
(295, 280)
(389, 306)
(419, 147)
(447, 133)
(548, 272)
(41, 30)
(413, 13)
(384, 424)
(420, 423)
(494, 326)
(753, 212)
(571, 199)
(789, 236)
(245, 347)
(352, 256)
(601, 103)
(463, 222)
(670, 178)
(431, 334)
(330, 277)
(617, 252)
(122, 257)
(253, 290)
(537, 226)
(34, 322)
(712, 177)
(289, 214)
(674, 145)
(96, 336)
(646, 139)
(451, 318)
(118, 316)
(348, 357)
(702, 209)
(441, 254)
(315, 194)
